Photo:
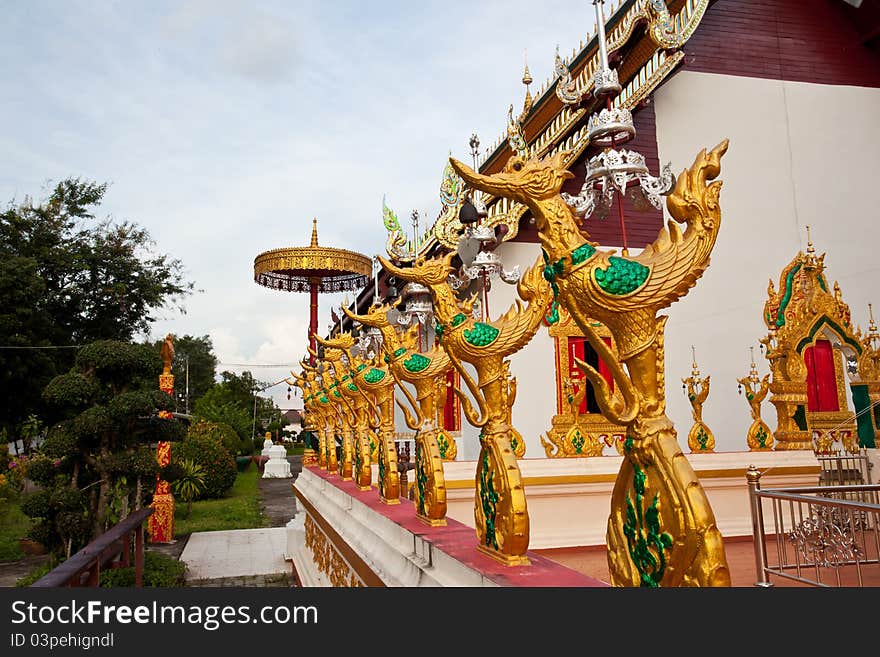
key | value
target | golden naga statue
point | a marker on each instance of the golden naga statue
(322, 416)
(422, 370)
(336, 350)
(342, 410)
(662, 530)
(371, 377)
(500, 512)
(759, 437)
(700, 438)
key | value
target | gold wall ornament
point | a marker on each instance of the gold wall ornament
(327, 559)
(759, 437)
(569, 437)
(662, 529)
(337, 356)
(422, 369)
(572, 433)
(866, 395)
(500, 510)
(803, 311)
(700, 438)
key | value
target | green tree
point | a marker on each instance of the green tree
(96, 458)
(204, 446)
(236, 401)
(67, 279)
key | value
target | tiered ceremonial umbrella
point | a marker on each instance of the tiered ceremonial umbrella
(312, 269)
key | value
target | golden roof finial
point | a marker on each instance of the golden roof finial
(314, 232)
(695, 372)
(873, 336)
(527, 80)
(811, 252)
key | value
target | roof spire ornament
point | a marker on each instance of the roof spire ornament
(810, 260)
(873, 336)
(527, 80)
(314, 232)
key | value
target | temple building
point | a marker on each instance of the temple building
(795, 87)
(788, 93)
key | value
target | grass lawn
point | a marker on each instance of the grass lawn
(240, 509)
(13, 526)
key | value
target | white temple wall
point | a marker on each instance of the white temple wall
(800, 155)
(534, 365)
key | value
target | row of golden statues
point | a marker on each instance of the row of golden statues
(661, 530)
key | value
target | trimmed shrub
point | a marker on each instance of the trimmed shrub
(207, 450)
(160, 571)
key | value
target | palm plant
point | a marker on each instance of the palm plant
(190, 483)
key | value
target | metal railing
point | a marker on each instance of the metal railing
(112, 548)
(841, 468)
(819, 535)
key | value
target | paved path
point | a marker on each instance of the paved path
(247, 557)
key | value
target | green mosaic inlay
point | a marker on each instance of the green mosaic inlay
(416, 363)
(399, 352)
(481, 335)
(553, 315)
(324, 400)
(761, 436)
(578, 442)
(361, 367)
(421, 479)
(458, 319)
(374, 375)
(488, 500)
(442, 444)
(438, 331)
(622, 276)
(647, 544)
(336, 393)
(352, 387)
(702, 437)
(382, 457)
(780, 314)
(345, 378)
(582, 253)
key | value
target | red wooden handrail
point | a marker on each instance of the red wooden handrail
(89, 561)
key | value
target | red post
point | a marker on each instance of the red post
(161, 523)
(313, 315)
(125, 559)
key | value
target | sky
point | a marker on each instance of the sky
(224, 126)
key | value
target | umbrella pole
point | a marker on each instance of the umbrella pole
(313, 316)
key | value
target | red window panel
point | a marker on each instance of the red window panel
(821, 377)
(451, 410)
(579, 347)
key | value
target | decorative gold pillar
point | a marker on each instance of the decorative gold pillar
(759, 437)
(161, 523)
(700, 438)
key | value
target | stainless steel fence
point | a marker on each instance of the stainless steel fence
(824, 535)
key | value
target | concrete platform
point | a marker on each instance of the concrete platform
(236, 553)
